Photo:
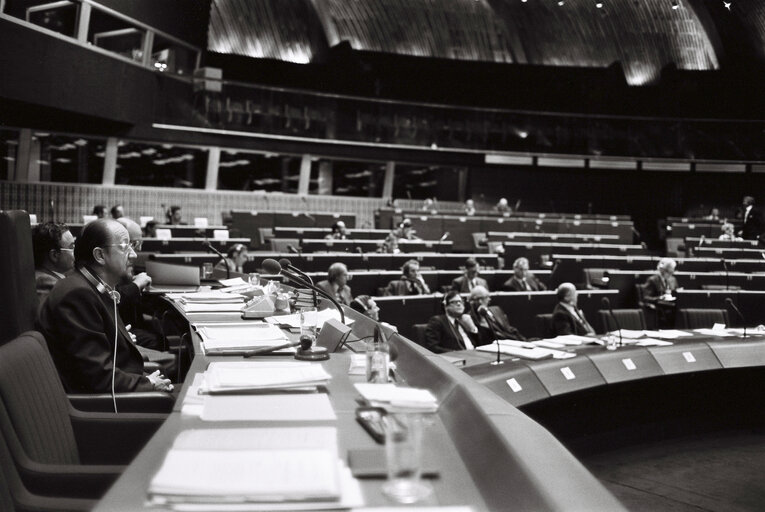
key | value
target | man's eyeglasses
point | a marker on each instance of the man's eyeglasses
(135, 245)
(455, 302)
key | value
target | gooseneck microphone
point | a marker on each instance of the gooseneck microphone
(273, 267)
(701, 242)
(486, 313)
(607, 303)
(207, 245)
(730, 303)
(285, 263)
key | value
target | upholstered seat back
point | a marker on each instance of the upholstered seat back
(701, 318)
(34, 398)
(419, 333)
(544, 325)
(18, 298)
(627, 318)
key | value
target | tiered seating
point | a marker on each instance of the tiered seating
(350, 245)
(520, 236)
(249, 223)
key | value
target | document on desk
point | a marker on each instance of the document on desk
(195, 307)
(571, 339)
(532, 353)
(293, 320)
(250, 466)
(207, 297)
(289, 407)
(236, 338)
(397, 398)
(652, 342)
(240, 377)
(667, 334)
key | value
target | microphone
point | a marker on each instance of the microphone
(725, 267)
(607, 303)
(730, 303)
(267, 350)
(274, 267)
(444, 237)
(291, 248)
(701, 242)
(486, 313)
(207, 245)
(285, 263)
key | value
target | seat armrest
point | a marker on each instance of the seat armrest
(108, 438)
(146, 402)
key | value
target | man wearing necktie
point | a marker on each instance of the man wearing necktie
(454, 330)
(567, 317)
(491, 321)
(335, 284)
(752, 220)
(523, 280)
(470, 279)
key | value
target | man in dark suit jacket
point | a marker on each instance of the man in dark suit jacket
(410, 283)
(491, 321)
(78, 319)
(658, 293)
(53, 247)
(523, 280)
(752, 218)
(470, 279)
(567, 317)
(335, 284)
(454, 330)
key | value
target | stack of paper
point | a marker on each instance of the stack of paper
(525, 350)
(667, 334)
(284, 468)
(243, 376)
(398, 399)
(237, 338)
(293, 320)
(572, 339)
(282, 407)
(207, 297)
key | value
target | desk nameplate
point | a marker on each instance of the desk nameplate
(625, 364)
(686, 357)
(561, 376)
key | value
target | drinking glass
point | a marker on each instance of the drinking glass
(403, 455)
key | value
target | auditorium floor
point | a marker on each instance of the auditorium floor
(719, 471)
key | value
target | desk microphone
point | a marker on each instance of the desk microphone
(701, 242)
(444, 237)
(291, 248)
(267, 350)
(730, 303)
(207, 245)
(273, 267)
(285, 263)
(607, 303)
(486, 313)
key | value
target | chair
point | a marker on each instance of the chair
(419, 334)
(632, 319)
(692, 318)
(284, 244)
(544, 325)
(57, 449)
(596, 278)
(18, 298)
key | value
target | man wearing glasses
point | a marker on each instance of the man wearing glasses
(454, 330)
(80, 321)
(53, 247)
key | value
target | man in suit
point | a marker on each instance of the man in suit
(752, 219)
(567, 317)
(523, 280)
(80, 322)
(410, 283)
(454, 330)
(491, 321)
(469, 279)
(53, 247)
(658, 292)
(336, 284)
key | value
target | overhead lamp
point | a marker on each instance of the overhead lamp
(561, 2)
(675, 4)
(599, 5)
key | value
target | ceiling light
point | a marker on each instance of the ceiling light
(561, 2)
(675, 4)
(599, 5)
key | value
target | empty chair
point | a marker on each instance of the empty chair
(53, 445)
(701, 318)
(544, 325)
(596, 278)
(419, 333)
(633, 319)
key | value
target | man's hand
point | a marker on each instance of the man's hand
(159, 382)
(132, 336)
(142, 280)
(468, 324)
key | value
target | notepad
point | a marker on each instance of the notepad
(571, 339)
(257, 377)
(534, 354)
(398, 398)
(300, 407)
(236, 338)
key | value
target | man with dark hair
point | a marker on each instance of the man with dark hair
(80, 322)
(410, 283)
(336, 283)
(454, 330)
(53, 246)
(752, 219)
(470, 279)
(99, 211)
(117, 211)
(174, 216)
(523, 280)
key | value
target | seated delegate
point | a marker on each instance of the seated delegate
(53, 248)
(336, 284)
(454, 329)
(523, 280)
(410, 283)
(470, 279)
(567, 317)
(79, 322)
(491, 321)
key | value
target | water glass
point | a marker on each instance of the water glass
(206, 271)
(403, 455)
(308, 321)
(254, 279)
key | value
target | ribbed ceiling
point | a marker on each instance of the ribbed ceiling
(643, 35)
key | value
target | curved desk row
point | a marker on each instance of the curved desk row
(489, 455)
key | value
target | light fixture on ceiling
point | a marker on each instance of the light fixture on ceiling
(561, 2)
(675, 4)
(599, 5)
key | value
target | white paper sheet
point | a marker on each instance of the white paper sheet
(302, 407)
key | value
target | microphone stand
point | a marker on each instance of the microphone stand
(725, 266)
(221, 256)
(607, 303)
(490, 323)
(729, 301)
(285, 263)
(321, 292)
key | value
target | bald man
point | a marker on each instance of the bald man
(79, 322)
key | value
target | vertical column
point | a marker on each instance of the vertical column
(304, 181)
(146, 47)
(213, 168)
(23, 156)
(82, 163)
(462, 178)
(390, 171)
(110, 162)
(35, 154)
(325, 178)
(83, 22)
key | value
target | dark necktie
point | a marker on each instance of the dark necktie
(460, 341)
